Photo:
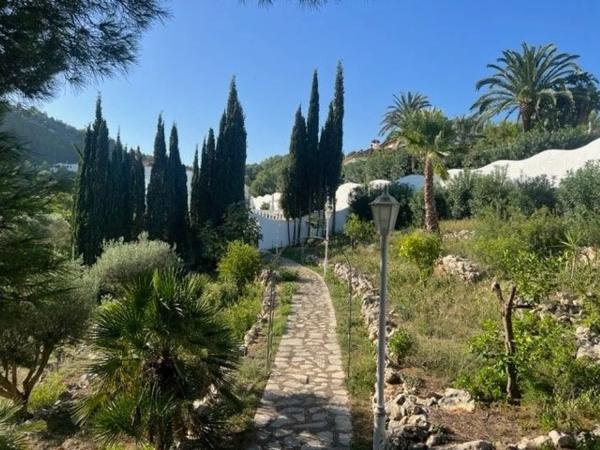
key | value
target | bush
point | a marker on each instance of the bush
(579, 191)
(47, 392)
(122, 262)
(417, 206)
(11, 438)
(401, 344)
(243, 313)
(240, 265)
(361, 198)
(535, 193)
(287, 274)
(223, 293)
(493, 192)
(359, 230)
(459, 191)
(421, 248)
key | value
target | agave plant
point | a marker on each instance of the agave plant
(163, 366)
(525, 81)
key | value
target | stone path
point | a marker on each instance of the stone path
(305, 404)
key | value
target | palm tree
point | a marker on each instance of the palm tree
(10, 437)
(427, 133)
(163, 365)
(524, 81)
(402, 107)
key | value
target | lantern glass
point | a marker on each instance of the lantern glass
(385, 211)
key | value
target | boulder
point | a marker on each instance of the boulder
(456, 399)
(562, 440)
(534, 443)
(472, 445)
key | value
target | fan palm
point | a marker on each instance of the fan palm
(10, 437)
(524, 81)
(164, 363)
(428, 134)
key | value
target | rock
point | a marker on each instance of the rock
(459, 267)
(435, 439)
(456, 399)
(535, 443)
(392, 376)
(562, 440)
(75, 444)
(472, 445)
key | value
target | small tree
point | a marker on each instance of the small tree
(422, 249)
(358, 230)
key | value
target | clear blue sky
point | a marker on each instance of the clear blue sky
(438, 47)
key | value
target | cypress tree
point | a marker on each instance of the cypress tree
(177, 202)
(138, 193)
(218, 186)
(102, 213)
(157, 196)
(236, 142)
(313, 175)
(195, 198)
(207, 191)
(115, 194)
(85, 242)
(126, 198)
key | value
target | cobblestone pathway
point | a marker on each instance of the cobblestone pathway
(305, 404)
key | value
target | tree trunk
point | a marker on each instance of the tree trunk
(333, 199)
(512, 388)
(431, 219)
(526, 110)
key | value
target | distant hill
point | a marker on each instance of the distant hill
(47, 139)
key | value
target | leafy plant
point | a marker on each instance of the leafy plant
(161, 349)
(359, 230)
(401, 344)
(421, 248)
(240, 264)
(10, 437)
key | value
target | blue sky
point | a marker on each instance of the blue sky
(438, 47)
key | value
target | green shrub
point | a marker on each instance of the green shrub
(401, 344)
(243, 313)
(358, 230)
(240, 264)
(459, 191)
(421, 248)
(122, 262)
(47, 392)
(535, 193)
(493, 192)
(11, 438)
(361, 198)
(579, 191)
(417, 206)
(222, 293)
(287, 274)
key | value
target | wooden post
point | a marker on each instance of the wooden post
(512, 388)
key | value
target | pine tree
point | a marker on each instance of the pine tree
(156, 207)
(177, 202)
(195, 198)
(138, 193)
(312, 146)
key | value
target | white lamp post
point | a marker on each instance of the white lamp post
(385, 211)
(327, 219)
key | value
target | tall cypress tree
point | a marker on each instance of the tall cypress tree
(312, 146)
(218, 180)
(195, 198)
(85, 239)
(157, 196)
(294, 202)
(177, 202)
(207, 191)
(115, 193)
(102, 214)
(138, 193)
(126, 198)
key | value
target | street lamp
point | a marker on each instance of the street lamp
(328, 212)
(385, 211)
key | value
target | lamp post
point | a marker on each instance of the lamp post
(385, 211)
(327, 219)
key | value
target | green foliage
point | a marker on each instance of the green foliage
(295, 200)
(362, 196)
(157, 193)
(417, 206)
(47, 392)
(534, 275)
(242, 314)
(177, 197)
(359, 231)
(222, 293)
(266, 177)
(420, 248)
(122, 262)
(535, 193)
(240, 225)
(10, 437)
(493, 192)
(287, 275)
(378, 165)
(186, 354)
(240, 265)
(579, 191)
(401, 344)
(459, 191)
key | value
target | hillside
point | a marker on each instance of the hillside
(47, 139)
